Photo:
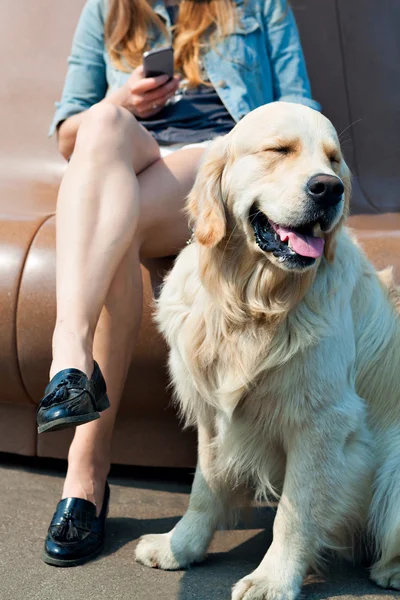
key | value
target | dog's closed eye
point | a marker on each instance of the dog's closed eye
(332, 154)
(278, 151)
(281, 149)
(334, 158)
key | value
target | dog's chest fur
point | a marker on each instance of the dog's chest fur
(254, 375)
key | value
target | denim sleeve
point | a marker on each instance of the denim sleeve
(86, 82)
(289, 71)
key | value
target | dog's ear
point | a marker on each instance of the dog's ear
(205, 204)
(330, 238)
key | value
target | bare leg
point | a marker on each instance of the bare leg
(97, 216)
(107, 216)
(89, 454)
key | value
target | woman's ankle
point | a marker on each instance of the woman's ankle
(72, 361)
(71, 356)
(71, 350)
(85, 485)
(86, 476)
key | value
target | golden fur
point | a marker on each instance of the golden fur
(291, 376)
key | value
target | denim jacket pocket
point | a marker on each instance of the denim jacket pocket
(241, 46)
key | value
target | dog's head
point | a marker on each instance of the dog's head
(280, 179)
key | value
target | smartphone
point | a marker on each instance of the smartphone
(159, 62)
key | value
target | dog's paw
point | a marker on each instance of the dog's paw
(261, 588)
(387, 576)
(155, 551)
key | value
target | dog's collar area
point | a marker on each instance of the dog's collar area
(268, 240)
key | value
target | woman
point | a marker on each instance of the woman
(120, 201)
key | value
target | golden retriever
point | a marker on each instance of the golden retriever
(285, 353)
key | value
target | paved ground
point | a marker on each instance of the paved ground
(141, 502)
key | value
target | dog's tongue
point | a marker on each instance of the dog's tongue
(305, 245)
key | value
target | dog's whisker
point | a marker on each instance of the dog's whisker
(346, 142)
(229, 239)
(252, 219)
(348, 127)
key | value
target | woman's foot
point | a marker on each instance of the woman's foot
(72, 399)
(76, 534)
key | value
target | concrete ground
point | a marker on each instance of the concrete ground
(141, 502)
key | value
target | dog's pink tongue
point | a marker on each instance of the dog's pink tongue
(305, 245)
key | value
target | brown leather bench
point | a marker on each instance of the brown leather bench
(355, 74)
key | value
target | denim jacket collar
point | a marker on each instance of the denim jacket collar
(160, 10)
(156, 36)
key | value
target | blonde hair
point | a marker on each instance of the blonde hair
(128, 22)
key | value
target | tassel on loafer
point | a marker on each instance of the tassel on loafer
(76, 534)
(72, 399)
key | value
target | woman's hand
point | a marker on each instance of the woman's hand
(145, 96)
(142, 96)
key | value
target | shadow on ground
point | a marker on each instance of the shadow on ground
(214, 578)
(142, 501)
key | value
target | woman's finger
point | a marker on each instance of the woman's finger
(149, 83)
(154, 108)
(153, 99)
(158, 104)
(158, 95)
(144, 110)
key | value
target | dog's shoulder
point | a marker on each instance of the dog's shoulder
(350, 261)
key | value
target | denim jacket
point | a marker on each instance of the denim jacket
(262, 61)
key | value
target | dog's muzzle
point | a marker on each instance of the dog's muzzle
(297, 247)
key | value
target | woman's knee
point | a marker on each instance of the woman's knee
(105, 129)
(109, 131)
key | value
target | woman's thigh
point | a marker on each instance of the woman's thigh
(163, 226)
(111, 133)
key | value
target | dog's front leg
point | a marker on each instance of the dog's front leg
(188, 541)
(327, 474)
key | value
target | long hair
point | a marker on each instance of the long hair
(128, 22)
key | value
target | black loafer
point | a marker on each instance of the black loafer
(72, 399)
(75, 534)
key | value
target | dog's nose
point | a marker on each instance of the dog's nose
(326, 190)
